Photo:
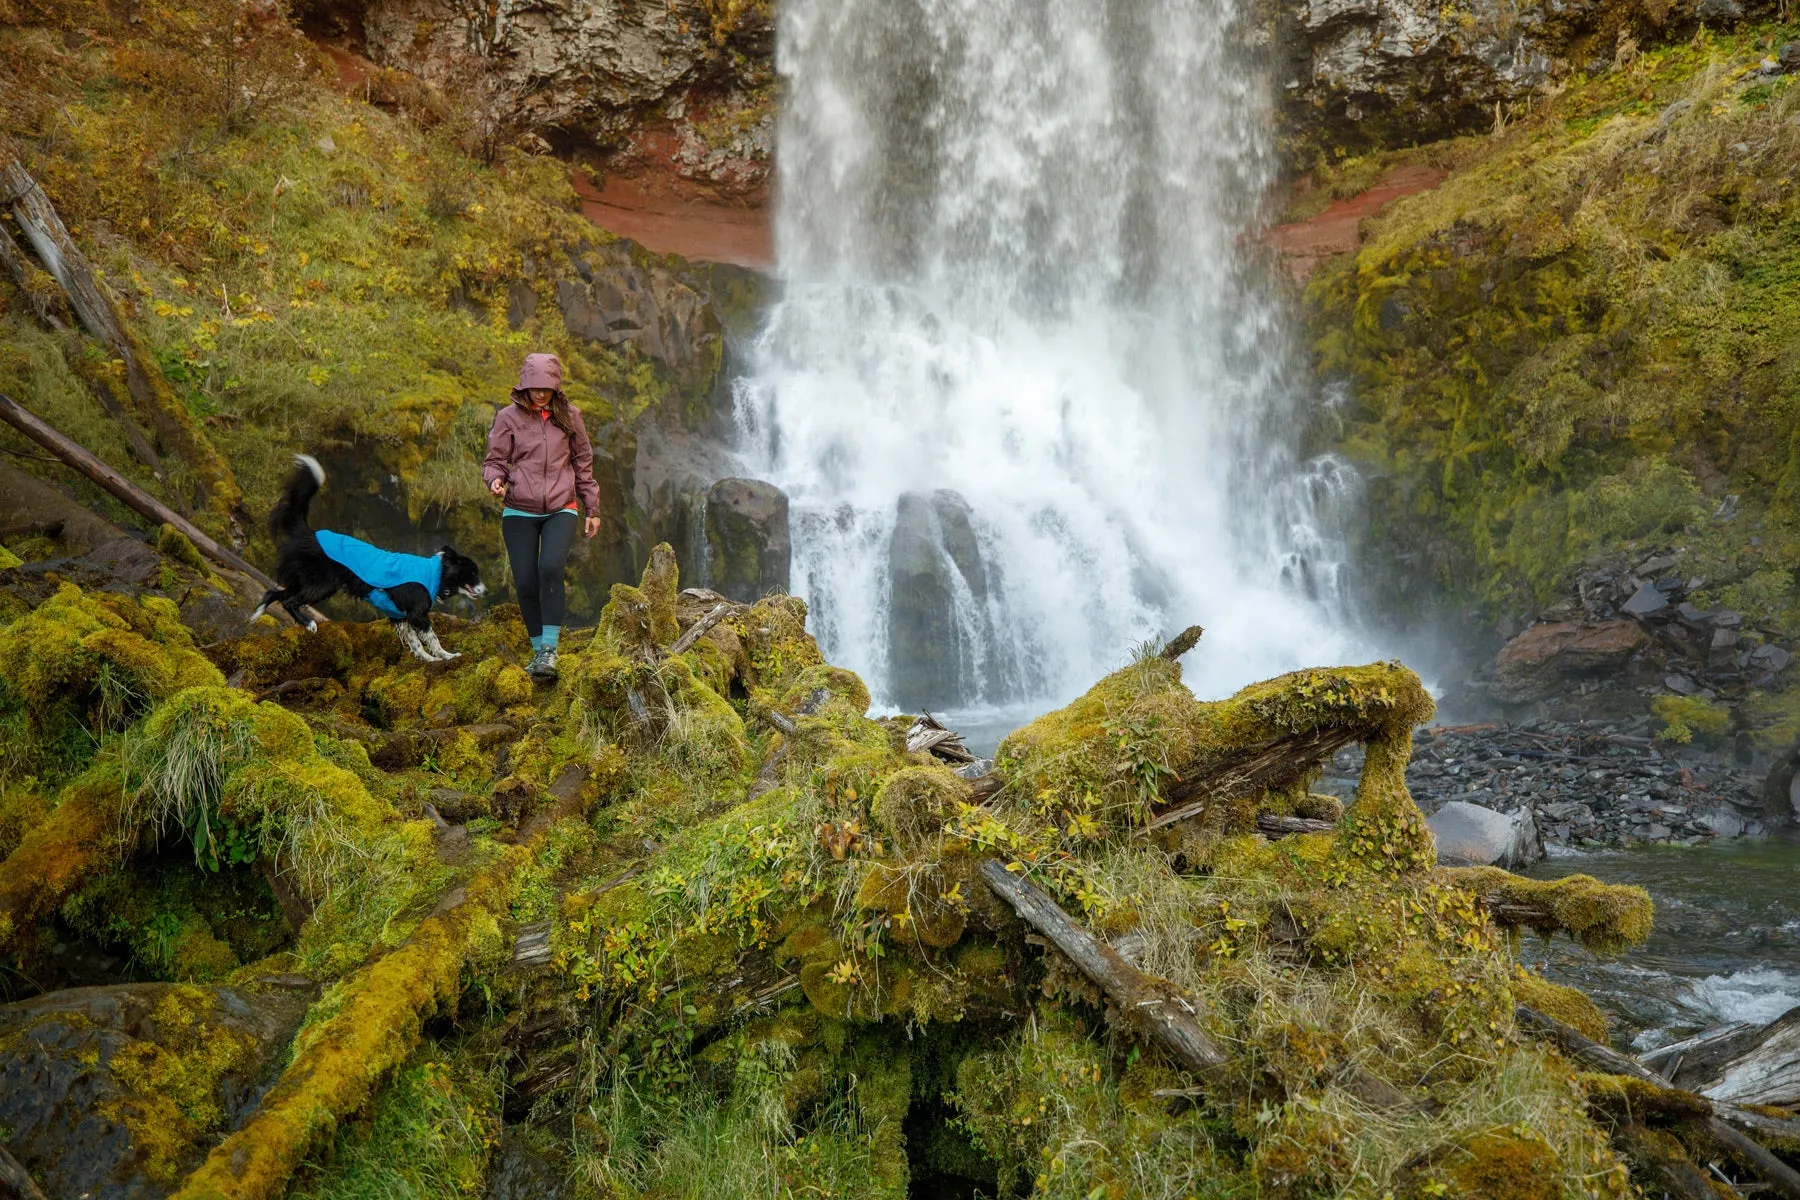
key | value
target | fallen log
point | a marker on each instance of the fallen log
(699, 628)
(1741, 1064)
(129, 493)
(1280, 827)
(1253, 770)
(1152, 1007)
(1658, 1159)
(69, 267)
(1780, 1177)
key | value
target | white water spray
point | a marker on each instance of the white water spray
(1028, 405)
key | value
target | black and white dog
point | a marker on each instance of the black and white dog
(311, 566)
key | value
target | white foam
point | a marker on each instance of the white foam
(1756, 994)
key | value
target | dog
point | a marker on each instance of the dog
(312, 566)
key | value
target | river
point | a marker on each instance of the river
(1726, 946)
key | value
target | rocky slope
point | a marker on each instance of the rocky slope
(1567, 372)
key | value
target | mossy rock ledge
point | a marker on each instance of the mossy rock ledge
(702, 925)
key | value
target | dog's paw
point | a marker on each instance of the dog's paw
(312, 627)
(447, 655)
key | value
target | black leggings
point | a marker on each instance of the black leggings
(537, 548)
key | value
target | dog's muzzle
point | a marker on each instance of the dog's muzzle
(475, 592)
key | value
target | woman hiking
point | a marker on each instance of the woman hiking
(540, 461)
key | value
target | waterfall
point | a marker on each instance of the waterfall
(1026, 396)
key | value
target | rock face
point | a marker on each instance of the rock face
(113, 1092)
(615, 301)
(1358, 73)
(1469, 835)
(1545, 658)
(935, 573)
(747, 547)
(672, 80)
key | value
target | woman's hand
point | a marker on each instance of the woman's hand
(591, 527)
(498, 487)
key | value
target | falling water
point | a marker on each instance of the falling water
(1023, 390)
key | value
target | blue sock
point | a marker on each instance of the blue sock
(550, 635)
(537, 641)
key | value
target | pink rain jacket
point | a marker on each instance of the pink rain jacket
(545, 469)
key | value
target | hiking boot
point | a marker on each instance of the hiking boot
(542, 666)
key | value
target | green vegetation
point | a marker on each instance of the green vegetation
(772, 968)
(307, 270)
(1584, 338)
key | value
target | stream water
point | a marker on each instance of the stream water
(1726, 946)
(1027, 396)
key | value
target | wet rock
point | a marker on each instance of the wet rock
(1469, 835)
(114, 1092)
(616, 302)
(747, 546)
(525, 1167)
(1544, 658)
(937, 627)
(30, 507)
(1789, 61)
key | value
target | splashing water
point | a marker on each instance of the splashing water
(1025, 397)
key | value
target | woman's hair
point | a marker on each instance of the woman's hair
(559, 408)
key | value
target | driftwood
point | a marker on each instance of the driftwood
(1151, 1006)
(15, 1181)
(1781, 1178)
(932, 735)
(1739, 1064)
(1252, 770)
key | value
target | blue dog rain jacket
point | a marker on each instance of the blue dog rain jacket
(383, 569)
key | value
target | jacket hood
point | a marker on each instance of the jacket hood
(539, 371)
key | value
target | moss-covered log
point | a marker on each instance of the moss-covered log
(1605, 917)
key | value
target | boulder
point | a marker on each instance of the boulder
(747, 546)
(1781, 789)
(938, 626)
(1541, 661)
(114, 1093)
(1471, 836)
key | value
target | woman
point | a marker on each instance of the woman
(540, 461)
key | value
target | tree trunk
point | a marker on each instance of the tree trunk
(63, 259)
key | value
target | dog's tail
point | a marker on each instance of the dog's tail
(296, 497)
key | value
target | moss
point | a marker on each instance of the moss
(1566, 1004)
(1140, 728)
(21, 810)
(1684, 716)
(174, 544)
(1605, 917)
(430, 1133)
(1577, 343)
(338, 1062)
(1497, 1165)
(98, 661)
(9, 559)
(82, 836)
(173, 1083)
(913, 805)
